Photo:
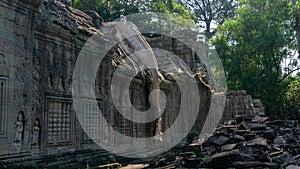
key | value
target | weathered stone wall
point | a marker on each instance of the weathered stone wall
(188, 56)
(39, 45)
(240, 105)
(38, 49)
(16, 44)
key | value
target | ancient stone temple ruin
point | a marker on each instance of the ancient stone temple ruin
(240, 105)
(39, 44)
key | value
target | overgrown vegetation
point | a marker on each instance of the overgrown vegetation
(292, 98)
(111, 10)
(254, 46)
(257, 41)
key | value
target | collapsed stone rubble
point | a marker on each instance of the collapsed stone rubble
(253, 143)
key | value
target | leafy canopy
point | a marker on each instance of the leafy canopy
(111, 10)
(253, 46)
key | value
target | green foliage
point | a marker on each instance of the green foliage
(170, 7)
(207, 12)
(292, 97)
(111, 10)
(253, 39)
(295, 13)
(178, 17)
(252, 48)
(205, 157)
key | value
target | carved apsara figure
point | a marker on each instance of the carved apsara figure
(35, 134)
(19, 129)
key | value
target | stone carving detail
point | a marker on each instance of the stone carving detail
(91, 120)
(57, 35)
(36, 79)
(59, 120)
(57, 63)
(19, 128)
(35, 140)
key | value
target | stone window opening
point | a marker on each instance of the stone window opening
(4, 75)
(3, 105)
(59, 121)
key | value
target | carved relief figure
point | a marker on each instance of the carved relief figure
(35, 134)
(19, 129)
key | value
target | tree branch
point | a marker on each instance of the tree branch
(287, 74)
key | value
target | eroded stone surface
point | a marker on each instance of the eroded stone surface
(39, 45)
(259, 151)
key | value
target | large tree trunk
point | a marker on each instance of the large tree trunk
(132, 42)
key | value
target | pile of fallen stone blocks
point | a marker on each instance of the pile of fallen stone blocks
(240, 143)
